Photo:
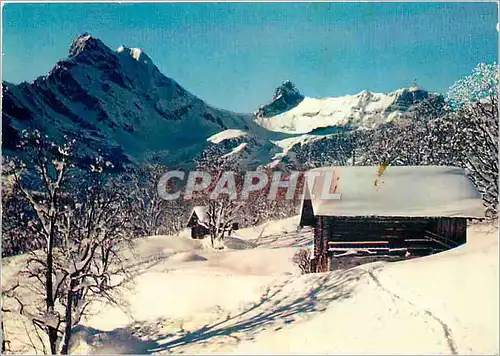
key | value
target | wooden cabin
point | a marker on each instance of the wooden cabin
(198, 222)
(392, 214)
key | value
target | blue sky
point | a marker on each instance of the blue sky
(233, 55)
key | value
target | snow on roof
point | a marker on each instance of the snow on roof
(406, 191)
(201, 213)
(226, 134)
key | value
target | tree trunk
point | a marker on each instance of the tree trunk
(49, 288)
(52, 333)
(4, 343)
(69, 321)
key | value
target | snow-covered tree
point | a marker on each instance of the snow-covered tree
(473, 104)
(224, 210)
(259, 208)
(404, 141)
(76, 218)
(255, 208)
(481, 86)
(222, 216)
(330, 150)
(461, 132)
(148, 212)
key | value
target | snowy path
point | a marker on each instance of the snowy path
(446, 330)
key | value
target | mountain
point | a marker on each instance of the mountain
(115, 102)
(118, 104)
(365, 109)
(247, 149)
(285, 98)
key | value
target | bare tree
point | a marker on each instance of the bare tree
(51, 164)
(302, 259)
(149, 213)
(224, 211)
(222, 214)
(78, 218)
(6, 293)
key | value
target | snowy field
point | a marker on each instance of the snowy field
(250, 298)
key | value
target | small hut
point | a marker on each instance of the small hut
(198, 222)
(392, 214)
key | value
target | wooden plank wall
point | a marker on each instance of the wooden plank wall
(321, 257)
(389, 239)
(199, 232)
(381, 235)
(454, 229)
(318, 231)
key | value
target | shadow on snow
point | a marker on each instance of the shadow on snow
(276, 308)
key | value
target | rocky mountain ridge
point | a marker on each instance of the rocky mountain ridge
(119, 105)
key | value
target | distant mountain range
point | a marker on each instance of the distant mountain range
(119, 104)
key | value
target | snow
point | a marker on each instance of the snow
(441, 304)
(201, 212)
(288, 143)
(409, 191)
(226, 135)
(79, 44)
(136, 53)
(363, 109)
(187, 257)
(237, 149)
(185, 298)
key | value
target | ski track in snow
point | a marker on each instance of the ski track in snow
(446, 329)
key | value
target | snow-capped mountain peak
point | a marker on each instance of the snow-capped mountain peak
(85, 42)
(116, 102)
(286, 97)
(136, 53)
(287, 90)
(365, 109)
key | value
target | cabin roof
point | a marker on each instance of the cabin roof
(400, 191)
(201, 214)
